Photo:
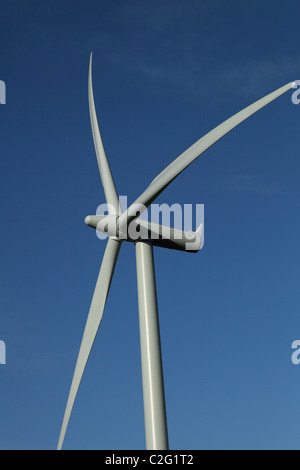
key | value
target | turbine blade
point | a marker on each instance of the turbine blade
(108, 183)
(186, 158)
(92, 325)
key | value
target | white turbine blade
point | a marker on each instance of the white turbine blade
(110, 191)
(92, 325)
(186, 158)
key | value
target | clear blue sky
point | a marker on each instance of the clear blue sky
(165, 73)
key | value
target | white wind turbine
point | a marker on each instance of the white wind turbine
(123, 226)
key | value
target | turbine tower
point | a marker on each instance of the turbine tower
(124, 226)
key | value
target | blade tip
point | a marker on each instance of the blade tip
(91, 61)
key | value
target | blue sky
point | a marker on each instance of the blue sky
(165, 73)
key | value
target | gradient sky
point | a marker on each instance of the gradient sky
(165, 73)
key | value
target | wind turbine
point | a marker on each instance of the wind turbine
(121, 227)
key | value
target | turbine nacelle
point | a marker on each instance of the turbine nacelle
(138, 229)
